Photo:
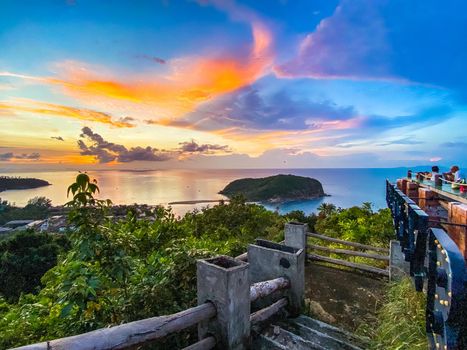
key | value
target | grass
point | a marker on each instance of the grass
(400, 323)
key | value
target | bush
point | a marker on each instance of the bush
(24, 258)
(131, 269)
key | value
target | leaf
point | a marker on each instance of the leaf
(66, 310)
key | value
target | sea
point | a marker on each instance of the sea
(344, 187)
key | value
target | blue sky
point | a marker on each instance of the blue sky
(211, 83)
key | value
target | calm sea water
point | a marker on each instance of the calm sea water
(346, 187)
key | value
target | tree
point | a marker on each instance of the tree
(24, 258)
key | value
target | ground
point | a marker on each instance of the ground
(342, 298)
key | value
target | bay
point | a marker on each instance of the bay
(346, 187)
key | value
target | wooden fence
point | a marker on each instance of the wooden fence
(221, 280)
(347, 252)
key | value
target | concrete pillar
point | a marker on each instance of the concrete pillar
(412, 191)
(398, 267)
(270, 260)
(225, 282)
(457, 214)
(402, 185)
(295, 235)
(426, 199)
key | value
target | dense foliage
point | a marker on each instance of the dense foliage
(24, 258)
(120, 270)
(36, 209)
(358, 224)
(275, 188)
(130, 269)
(20, 183)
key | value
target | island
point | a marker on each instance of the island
(275, 189)
(20, 183)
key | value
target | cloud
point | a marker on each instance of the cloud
(59, 138)
(248, 108)
(106, 152)
(401, 141)
(193, 147)
(185, 82)
(44, 108)
(352, 43)
(152, 59)
(5, 157)
(455, 144)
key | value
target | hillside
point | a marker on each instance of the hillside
(278, 188)
(18, 183)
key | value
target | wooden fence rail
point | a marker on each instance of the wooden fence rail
(207, 343)
(130, 334)
(262, 289)
(348, 252)
(352, 244)
(362, 267)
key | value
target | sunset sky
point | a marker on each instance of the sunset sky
(232, 84)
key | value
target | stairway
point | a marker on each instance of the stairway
(305, 333)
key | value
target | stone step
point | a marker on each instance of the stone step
(303, 333)
(332, 331)
(275, 337)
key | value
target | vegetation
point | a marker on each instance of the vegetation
(131, 269)
(36, 209)
(24, 258)
(120, 270)
(400, 323)
(356, 224)
(20, 183)
(276, 188)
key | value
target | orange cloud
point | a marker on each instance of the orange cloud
(63, 111)
(189, 80)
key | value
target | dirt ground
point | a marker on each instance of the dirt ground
(342, 298)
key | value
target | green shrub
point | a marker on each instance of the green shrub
(24, 258)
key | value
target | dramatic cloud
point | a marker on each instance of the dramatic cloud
(188, 80)
(59, 138)
(43, 108)
(11, 156)
(194, 147)
(248, 108)
(106, 152)
(352, 43)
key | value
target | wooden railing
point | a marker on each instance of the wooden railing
(223, 316)
(131, 334)
(411, 227)
(436, 265)
(341, 262)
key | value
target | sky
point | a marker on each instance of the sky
(232, 84)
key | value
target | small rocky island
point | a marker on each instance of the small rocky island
(20, 183)
(278, 188)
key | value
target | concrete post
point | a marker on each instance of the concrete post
(398, 267)
(269, 260)
(225, 282)
(295, 235)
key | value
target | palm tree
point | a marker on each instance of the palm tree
(326, 209)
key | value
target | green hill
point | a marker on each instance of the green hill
(278, 188)
(20, 183)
